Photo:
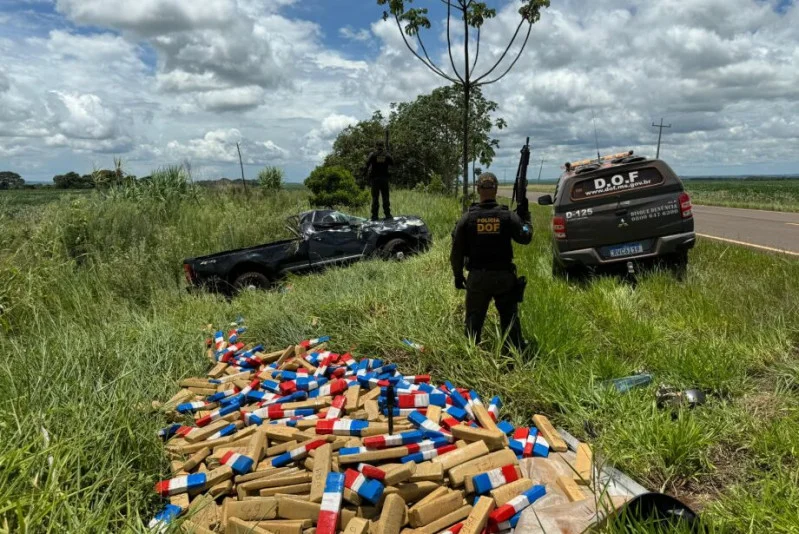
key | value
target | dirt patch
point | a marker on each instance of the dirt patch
(762, 405)
(731, 461)
(729, 465)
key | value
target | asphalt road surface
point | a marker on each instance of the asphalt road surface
(764, 230)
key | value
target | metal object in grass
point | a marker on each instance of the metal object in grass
(413, 344)
(669, 396)
(625, 384)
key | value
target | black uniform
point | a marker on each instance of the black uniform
(482, 243)
(377, 171)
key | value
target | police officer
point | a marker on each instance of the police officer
(377, 171)
(482, 240)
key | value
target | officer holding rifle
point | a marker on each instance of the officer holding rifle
(482, 243)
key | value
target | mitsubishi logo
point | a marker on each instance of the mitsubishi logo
(623, 223)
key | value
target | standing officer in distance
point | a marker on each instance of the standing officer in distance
(377, 172)
(482, 239)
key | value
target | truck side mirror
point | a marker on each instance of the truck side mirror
(545, 200)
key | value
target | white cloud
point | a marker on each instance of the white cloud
(235, 99)
(90, 49)
(219, 146)
(82, 116)
(328, 60)
(150, 17)
(700, 64)
(116, 145)
(319, 141)
(348, 32)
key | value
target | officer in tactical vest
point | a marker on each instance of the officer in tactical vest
(482, 243)
(377, 171)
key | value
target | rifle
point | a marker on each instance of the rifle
(520, 187)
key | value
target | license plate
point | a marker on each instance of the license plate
(630, 249)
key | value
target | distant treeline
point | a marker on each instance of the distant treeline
(752, 178)
(237, 183)
(73, 180)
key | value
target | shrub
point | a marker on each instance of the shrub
(271, 178)
(11, 180)
(334, 186)
(436, 185)
(168, 185)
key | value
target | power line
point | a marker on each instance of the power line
(660, 134)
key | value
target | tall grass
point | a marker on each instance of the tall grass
(96, 324)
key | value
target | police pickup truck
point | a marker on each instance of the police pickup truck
(322, 238)
(617, 210)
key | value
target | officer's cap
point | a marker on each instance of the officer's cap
(487, 180)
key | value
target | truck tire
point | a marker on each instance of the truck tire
(561, 272)
(558, 270)
(396, 249)
(678, 264)
(251, 281)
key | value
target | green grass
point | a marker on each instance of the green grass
(14, 201)
(96, 324)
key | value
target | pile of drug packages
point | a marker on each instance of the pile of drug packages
(299, 441)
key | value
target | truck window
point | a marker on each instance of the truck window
(615, 183)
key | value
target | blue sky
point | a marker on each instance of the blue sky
(159, 82)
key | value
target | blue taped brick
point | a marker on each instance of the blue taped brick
(506, 427)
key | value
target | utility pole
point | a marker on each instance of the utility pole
(660, 134)
(241, 164)
(539, 171)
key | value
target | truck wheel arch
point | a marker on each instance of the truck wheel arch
(248, 267)
(411, 241)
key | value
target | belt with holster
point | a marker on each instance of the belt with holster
(496, 269)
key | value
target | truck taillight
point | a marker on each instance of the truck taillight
(189, 273)
(686, 209)
(559, 227)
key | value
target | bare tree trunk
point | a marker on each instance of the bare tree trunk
(466, 95)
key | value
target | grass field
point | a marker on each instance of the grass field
(96, 324)
(775, 195)
(17, 200)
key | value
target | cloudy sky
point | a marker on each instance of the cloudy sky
(166, 81)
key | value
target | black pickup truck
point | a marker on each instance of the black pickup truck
(323, 238)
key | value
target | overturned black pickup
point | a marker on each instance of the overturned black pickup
(322, 238)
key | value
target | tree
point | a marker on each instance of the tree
(426, 134)
(473, 14)
(73, 180)
(10, 180)
(354, 144)
(334, 186)
(271, 178)
(425, 138)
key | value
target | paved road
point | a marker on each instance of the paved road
(765, 230)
